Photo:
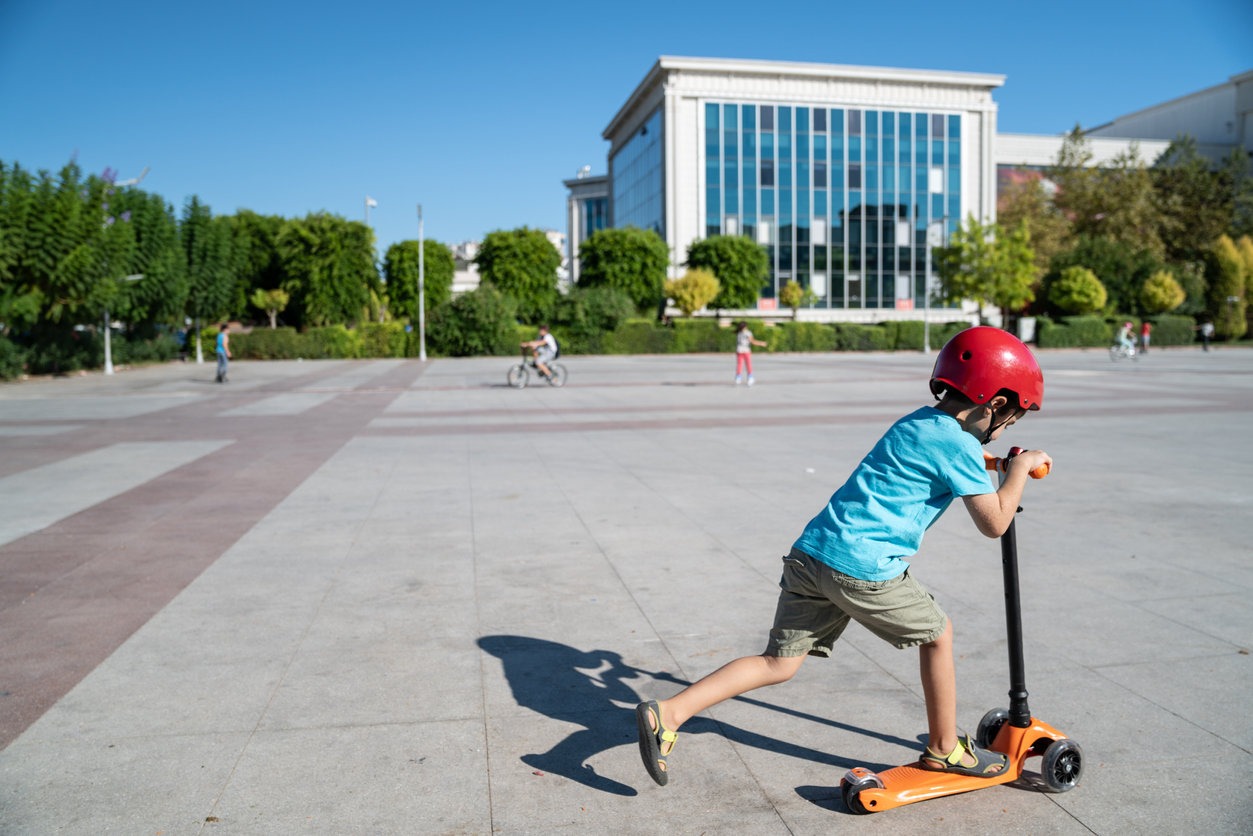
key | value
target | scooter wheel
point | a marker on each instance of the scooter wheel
(990, 725)
(1062, 765)
(851, 788)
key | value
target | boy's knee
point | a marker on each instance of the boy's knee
(783, 668)
(944, 639)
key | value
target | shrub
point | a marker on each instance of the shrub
(803, 336)
(1073, 332)
(694, 291)
(12, 359)
(639, 336)
(266, 344)
(1078, 291)
(63, 351)
(477, 323)
(851, 336)
(1161, 293)
(332, 342)
(383, 339)
(700, 336)
(1171, 329)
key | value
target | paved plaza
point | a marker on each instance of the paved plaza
(397, 597)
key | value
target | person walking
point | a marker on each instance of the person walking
(223, 351)
(1146, 329)
(744, 342)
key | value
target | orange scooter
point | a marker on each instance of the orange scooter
(1013, 732)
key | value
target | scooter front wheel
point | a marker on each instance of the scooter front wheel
(990, 725)
(1062, 765)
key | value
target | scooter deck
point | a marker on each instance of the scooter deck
(910, 783)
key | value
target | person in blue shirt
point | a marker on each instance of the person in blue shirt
(223, 351)
(851, 562)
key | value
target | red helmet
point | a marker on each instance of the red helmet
(981, 361)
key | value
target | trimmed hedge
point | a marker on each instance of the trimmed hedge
(1170, 329)
(1073, 332)
(635, 336)
(1101, 332)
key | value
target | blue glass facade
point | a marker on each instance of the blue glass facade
(595, 213)
(639, 179)
(840, 197)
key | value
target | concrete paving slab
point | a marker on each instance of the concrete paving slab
(391, 577)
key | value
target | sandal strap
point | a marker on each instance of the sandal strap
(664, 734)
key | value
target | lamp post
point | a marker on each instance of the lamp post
(935, 238)
(108, 344)
(421, 290)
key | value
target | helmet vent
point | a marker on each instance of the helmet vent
(966, 355)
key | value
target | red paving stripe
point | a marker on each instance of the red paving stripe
(73, 592)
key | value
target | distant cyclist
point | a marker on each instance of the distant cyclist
(1126, 337)
(544, 350)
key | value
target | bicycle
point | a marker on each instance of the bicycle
(1119, 351)
(520, 374)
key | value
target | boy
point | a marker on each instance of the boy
(850, 561)
(544, 350)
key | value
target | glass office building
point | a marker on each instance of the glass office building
(841, 198)
(846, 175)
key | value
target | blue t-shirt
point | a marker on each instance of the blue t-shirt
(877, 518)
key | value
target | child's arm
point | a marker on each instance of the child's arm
(993, 512)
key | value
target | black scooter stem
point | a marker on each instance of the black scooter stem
(1019, 711)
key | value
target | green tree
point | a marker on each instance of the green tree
(161, 298)
(1122, 268)
(329, 267)
(693, 291)
(740, 265)
(206, 242)
(1228, 285)
(522, 263)
(272, 302)
(1116, 200)
(400, 268)
(257, 263)
(793, 296)
(987, 265)
(1161, 293)
(1197, 203)
(1078, 291)
(1027, 203)
(632, 260)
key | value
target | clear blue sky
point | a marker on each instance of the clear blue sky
(478, 110)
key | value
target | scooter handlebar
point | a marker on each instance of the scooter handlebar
(1001, 465)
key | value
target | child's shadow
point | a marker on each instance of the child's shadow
(583, 688)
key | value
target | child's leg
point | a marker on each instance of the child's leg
(939, 688)
(748, 364)
(730, 680)
(739, 363)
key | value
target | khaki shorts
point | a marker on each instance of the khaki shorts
(816, 603)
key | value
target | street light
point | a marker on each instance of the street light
(936, 230)
(421, 291)
(108, 345)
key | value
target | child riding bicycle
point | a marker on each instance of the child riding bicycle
(544, 350)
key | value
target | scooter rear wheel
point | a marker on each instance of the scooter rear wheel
(1062, 765)
(851, 787)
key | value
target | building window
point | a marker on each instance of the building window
(638, 179)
